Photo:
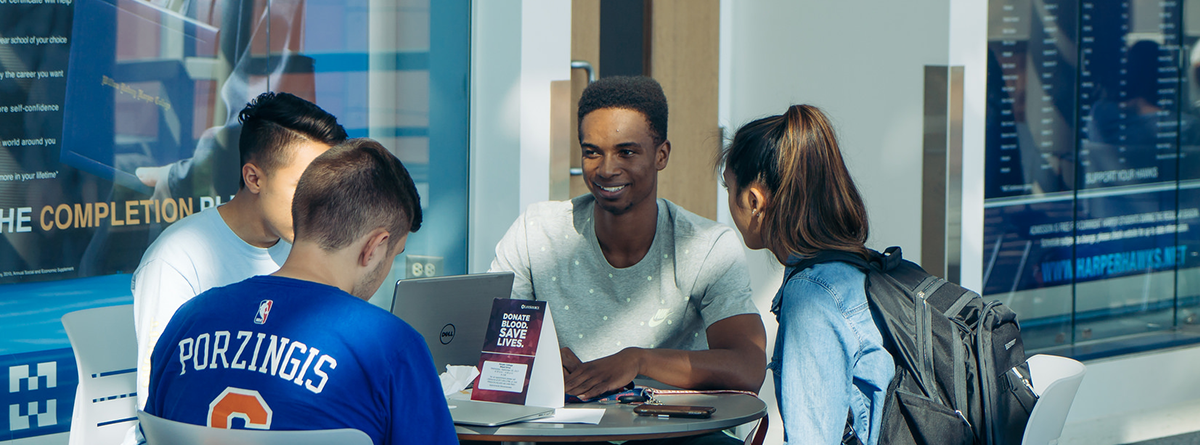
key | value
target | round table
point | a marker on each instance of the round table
(621, 423)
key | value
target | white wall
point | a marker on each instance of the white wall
(545, 57)
(517, 48)
(863, 64)
(968, 48)
(495, 139)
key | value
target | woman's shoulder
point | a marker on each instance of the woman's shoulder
(842, 282)
(833, 274)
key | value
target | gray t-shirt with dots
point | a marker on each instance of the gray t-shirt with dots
(693, 276)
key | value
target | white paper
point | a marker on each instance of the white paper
(546, 380)
(589, 416)
(502, 376)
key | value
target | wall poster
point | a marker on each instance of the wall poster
(119, 117)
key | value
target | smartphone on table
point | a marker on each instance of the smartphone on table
(690, 411)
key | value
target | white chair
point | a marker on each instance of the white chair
(106, 354)
(1055, 381)
(159, 431)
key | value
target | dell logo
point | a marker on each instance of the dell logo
(447, 334)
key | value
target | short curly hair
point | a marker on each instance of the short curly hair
(637, 93)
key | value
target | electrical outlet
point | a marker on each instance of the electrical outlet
(421, 266)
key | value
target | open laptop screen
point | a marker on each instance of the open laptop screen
(451, 312)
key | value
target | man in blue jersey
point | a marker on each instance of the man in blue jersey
(301, 348)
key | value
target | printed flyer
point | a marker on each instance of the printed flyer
(520, 362)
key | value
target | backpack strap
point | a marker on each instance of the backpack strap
(849, 436)
(889, 259)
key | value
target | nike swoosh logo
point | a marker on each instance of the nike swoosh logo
(660, 317)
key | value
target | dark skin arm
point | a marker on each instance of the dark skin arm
(736, 359)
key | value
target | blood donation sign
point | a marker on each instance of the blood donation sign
(520, 363)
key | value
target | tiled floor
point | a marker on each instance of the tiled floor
(1182, 439)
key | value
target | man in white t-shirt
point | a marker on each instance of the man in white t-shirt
(249, 235)
(638, 285)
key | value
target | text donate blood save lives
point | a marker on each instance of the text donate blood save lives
(513, 329)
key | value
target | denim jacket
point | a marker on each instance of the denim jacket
(829, 357)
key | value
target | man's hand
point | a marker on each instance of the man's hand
(569, 361)
(591, 379)
(156, 177)
(736, 359)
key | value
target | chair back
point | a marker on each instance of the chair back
(1055, 381)
(105, 347)
(159, 431)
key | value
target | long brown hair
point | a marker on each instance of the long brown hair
(812, 204)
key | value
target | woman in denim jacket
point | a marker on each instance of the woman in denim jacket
(790, 192)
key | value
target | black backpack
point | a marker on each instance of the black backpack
(961, 376)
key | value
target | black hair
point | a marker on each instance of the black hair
(273, 122)
(637, 93)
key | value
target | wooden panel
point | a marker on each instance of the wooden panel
(684, 45)
(585, 45)
(560, 144)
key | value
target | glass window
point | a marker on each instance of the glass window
(1091, 173)
(120, 117)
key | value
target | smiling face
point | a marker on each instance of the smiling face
(278, 187)
(620, 159)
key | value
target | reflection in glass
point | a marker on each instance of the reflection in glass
(396, 71)
(143, 118)
(1090, 199)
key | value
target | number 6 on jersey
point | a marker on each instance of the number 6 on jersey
(237, 403)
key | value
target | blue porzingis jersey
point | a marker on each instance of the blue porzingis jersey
(284, 354)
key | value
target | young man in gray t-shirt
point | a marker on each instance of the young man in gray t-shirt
(638, 285)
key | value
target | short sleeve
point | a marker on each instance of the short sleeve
(724, 281)
(154, 398)
(512, 255)
(418, 412)
(158, 291)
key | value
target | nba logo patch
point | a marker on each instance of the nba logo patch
(264, 309)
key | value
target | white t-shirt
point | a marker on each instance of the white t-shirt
(196, 254)
(693, 276)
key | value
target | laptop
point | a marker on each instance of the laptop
(473, 412)
(451, 313)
